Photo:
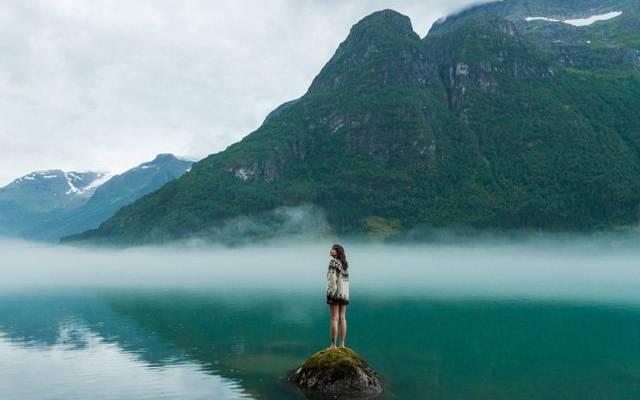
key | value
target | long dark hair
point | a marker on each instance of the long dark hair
(343, 259)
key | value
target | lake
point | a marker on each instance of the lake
(538, 320)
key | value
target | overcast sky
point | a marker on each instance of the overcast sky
(106, 85)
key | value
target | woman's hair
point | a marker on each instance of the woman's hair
(343, 259)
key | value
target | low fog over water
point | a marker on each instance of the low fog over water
(588, 269)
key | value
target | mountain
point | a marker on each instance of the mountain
(519, 10)
(43, 192)
(480, 124)
(47, 205)
(578, 33)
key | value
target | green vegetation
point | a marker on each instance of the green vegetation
(381, 228)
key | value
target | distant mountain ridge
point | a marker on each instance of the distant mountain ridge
(580, 33)
(46, 205)
(519, 10)
(490, 121)
(46, 190)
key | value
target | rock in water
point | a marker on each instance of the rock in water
(336, 373)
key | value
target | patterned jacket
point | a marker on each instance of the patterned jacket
(337, 283)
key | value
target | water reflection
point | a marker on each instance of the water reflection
(61, 356)
(227, 344)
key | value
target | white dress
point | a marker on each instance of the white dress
(337, 283)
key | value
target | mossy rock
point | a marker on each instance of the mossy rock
(336, 373)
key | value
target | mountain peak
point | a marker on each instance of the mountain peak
(387, 20)
(381, 50)
(164, 157)
(77, 182)
(160, 161)
(44, 191)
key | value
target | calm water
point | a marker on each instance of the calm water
(432, 337)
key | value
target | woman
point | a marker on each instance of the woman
(338, 293)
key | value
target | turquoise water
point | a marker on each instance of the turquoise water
(493, 322)
(196, 344)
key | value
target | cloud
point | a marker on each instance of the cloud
(109, 84)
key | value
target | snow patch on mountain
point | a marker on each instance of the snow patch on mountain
(541, 19)
(102, 178)
(71, 177)
(592, 19)
(579, 21)
(72, 187)
(45, 174)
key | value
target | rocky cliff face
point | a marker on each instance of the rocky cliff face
(486, 54)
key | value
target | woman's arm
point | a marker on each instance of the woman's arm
(332, 278)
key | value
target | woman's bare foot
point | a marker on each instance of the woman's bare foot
(332, 347)
(342, 346)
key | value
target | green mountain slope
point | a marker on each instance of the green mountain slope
(475, 125)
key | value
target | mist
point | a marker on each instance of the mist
(574, 268)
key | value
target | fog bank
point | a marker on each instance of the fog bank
(583, 269)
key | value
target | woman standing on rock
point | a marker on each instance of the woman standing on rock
(338, 293)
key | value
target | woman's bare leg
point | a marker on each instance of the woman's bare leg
(334, 311)
(343, 324)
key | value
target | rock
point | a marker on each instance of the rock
(336, 373)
